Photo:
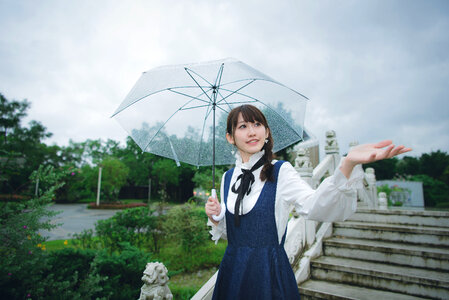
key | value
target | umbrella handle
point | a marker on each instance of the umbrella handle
(223, 207)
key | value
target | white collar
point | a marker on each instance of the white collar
(252, 160)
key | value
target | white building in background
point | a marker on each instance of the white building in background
(413, 199)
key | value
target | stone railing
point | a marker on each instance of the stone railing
(304, 237)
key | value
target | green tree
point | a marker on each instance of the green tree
(408, 165)
(385, 169)
(203, 178)
(139, 163)
(21, 149)
(167, 174)
(23, 262)
(113, 177)
(434, 164)
(436, 193)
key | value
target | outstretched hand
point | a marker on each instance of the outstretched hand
(368, 153)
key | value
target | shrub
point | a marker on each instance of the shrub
(26, 269)
(187, 224)
(183, 292)
(135, 225)
(124, 271)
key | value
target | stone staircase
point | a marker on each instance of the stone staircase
(383, 254)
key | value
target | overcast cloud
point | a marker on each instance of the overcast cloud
(372, 69)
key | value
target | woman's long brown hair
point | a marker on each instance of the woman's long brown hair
(252, 114)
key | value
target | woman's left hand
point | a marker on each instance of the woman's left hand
(368, 153)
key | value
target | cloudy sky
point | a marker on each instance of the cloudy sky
(372, 69)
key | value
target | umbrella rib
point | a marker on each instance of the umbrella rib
(189, 96)
(239, 102)
(197, 74)
(202, 132)
(235, 91)
(256, 100)
(192, 107)
(187, 70)
(222, 109)
(156, 92)
(272, 81)
(220, 73)
(179, 109)
(223, 99)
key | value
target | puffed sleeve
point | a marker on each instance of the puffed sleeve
(219, 231)
(335, 199)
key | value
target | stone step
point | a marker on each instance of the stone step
(417, 217)
(317, 289)
(431, 257)
(400, 279)
(393, 232)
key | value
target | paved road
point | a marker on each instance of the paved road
(75, 218)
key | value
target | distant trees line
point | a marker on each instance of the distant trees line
(432, 169)
(22, 151)
(127, 170)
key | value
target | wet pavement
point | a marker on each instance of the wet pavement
(74, 218)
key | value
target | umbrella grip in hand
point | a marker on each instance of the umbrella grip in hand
(223, 208)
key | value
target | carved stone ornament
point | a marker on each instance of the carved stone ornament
(383, 200)
(155, 283)
(331, 142)
(302, 163)
(370, 176)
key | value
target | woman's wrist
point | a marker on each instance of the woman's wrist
(213, 221)
(347, 166)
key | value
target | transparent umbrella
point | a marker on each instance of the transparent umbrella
(180, 111)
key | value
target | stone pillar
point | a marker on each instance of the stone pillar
(155, 282)
(331, 143)
(383, 203)
(303, 165)
(372, 188)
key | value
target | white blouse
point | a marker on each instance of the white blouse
(335, 199)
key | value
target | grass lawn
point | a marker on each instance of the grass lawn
(58, 244)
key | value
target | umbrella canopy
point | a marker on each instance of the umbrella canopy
(180, 111)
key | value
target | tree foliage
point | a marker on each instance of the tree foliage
(432, 169)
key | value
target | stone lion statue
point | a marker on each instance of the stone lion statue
(155, 283)
(302, 160)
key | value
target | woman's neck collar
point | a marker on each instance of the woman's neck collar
(251, 162)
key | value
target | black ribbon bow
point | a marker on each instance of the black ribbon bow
(246, 181)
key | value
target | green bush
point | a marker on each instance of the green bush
(66, 262)
(177, 260)
(135, 225)
(124, 271)
(182, 292)
(26, 269)
(187, 224)
(85, 240)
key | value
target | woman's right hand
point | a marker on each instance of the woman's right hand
(213, 207)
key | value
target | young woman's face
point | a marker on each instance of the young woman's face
(249, 137)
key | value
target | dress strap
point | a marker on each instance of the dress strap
(227, 183)
(277, 167)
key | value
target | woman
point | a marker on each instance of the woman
(258, 194)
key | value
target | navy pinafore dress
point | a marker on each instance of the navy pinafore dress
(255, 265)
